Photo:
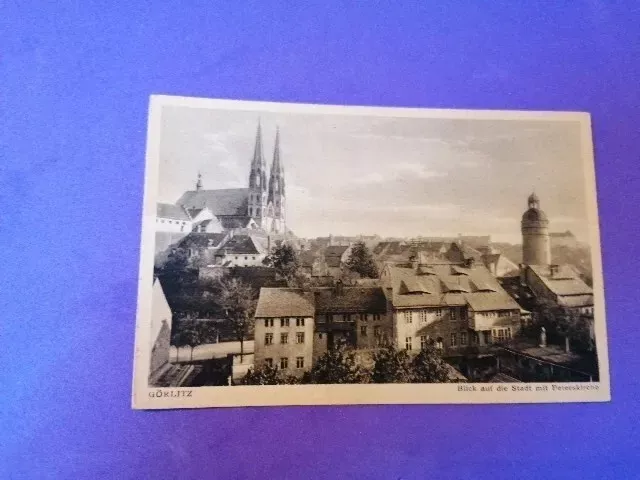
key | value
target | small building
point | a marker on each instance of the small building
(241, 251)
(160, 336)
(172, 218)
(560, 285)
(335, 257)
(284, 327)
(352, 316)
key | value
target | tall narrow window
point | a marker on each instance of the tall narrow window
(408, 343)
(454, 339)
(408, 316)
(424, 339)
(284, 322)
(268, 338)
(300, 337)
(284, 338)
(299, 362)
(363, 330)
(463, 338)
(376, 331)
(268, 322)
(299, 322)
(284, 363)
(268, 362)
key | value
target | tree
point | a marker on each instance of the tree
(338, 365)
(429, 367)
(239, 302)
(391, 366)
(268, 375)
(284, 260)
(361, 261)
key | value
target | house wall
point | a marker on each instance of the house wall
(171, 225)
(160, 337)
(432, 326)
(290, 350)
(243, 260)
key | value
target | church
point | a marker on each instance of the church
(260, 207)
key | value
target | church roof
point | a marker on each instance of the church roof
(242, 245)
(174, 212)
(229, 201)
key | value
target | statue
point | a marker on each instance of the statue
(543, 337)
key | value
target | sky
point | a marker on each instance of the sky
(391, 176)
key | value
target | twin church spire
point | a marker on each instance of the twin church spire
(266, 200)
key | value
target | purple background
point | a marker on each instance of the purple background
(75, 78)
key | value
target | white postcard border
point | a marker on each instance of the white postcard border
(145, 397)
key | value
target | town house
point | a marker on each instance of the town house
(451, 306)
(284, 327)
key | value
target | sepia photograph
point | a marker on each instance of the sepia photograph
(305, 254)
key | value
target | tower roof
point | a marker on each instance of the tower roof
(276, 179)
(533, 198)
(258, 165)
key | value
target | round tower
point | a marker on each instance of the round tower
(536, 249)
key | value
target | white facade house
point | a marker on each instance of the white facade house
(172, 219)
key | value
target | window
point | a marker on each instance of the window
(454, 339)
(300, 337)
(363, 330)
(299, 362)
(268, 338)
(284, 322)
(376, 331)
(376, 316)
(284, 363)
(363, 317)
(438, 313)
(236, 258)
(423, 316)
(246, 258)
(329, 317)
(424, 341)
(463, 338)
(346, 317)
(408, 316)
(408, 343)
(268, 322)
(253, 258)
(487, 337)
(268, 362)
(439, 344)
(284, 338)
(454, 315)
(299, 322)
(320, 336)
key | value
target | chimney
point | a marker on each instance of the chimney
(414, 261)
(469, 262)
(523, 273)
(553, 270)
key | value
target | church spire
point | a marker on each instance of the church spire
(199, 182)
(276, 179)
(258, 175)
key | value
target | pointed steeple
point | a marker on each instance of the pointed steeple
(199, 182)
(258, 175)
(276, 179)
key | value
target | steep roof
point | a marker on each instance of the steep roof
(242, 245)
(448, 286)
(564, 282)
(350, 299)
(335, 250)
(230, 201)
(202, 240)
(230, 222)
(284, 302)
(174, 212)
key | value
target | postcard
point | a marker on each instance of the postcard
(317, 255)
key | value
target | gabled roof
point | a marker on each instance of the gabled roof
(350, 300)
(174, 212)
(335, 250)
(284, 302)
(475, 287)
(230, 201)
(242, 245)
(565, 282)
(202, 240)
(230, 222)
